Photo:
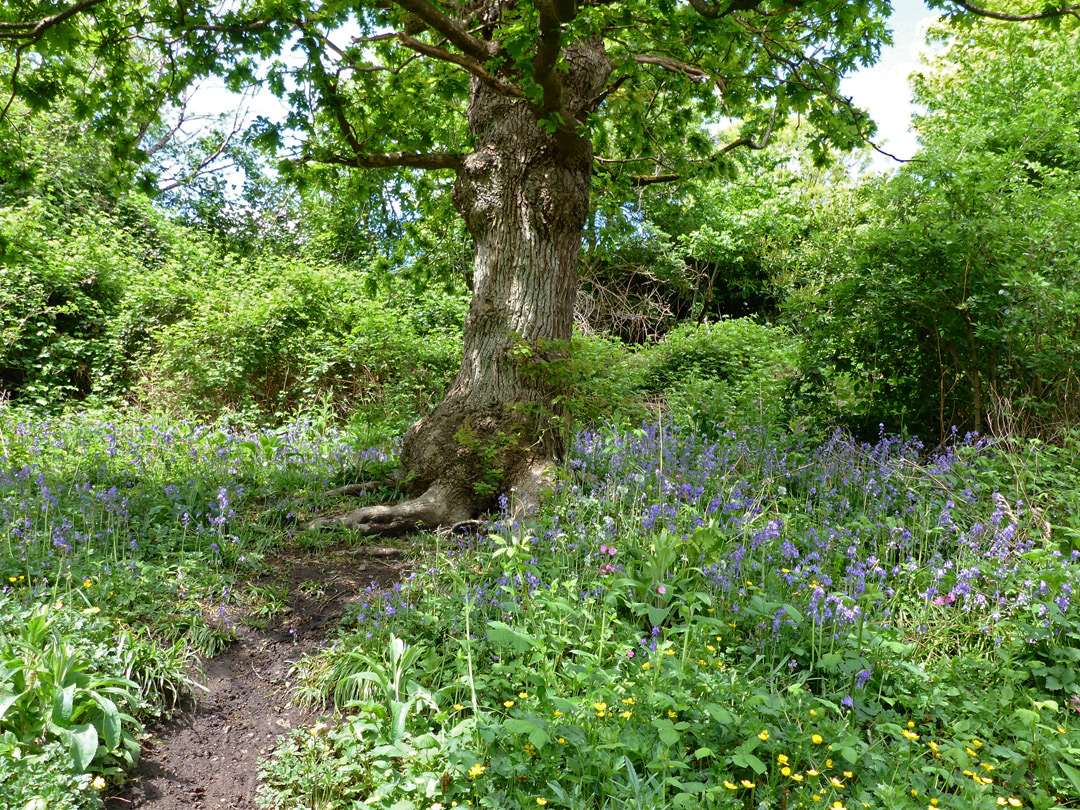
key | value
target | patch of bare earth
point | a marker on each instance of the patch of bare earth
(208, 756)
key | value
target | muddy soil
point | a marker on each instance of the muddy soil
(208, 756)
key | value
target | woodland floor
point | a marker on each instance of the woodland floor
(208, 755)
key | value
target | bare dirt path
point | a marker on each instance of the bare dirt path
(208, 756)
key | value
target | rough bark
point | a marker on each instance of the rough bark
(524, 195)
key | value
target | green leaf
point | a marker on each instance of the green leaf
(502, 633)
(668, 734)
(6, 702)
(62, 705)
(83, 746)
(110, 722)
(1072, 773)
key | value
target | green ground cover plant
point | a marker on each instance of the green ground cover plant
(746, 616)
(745, 622)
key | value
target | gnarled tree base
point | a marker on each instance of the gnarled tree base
(441, 505)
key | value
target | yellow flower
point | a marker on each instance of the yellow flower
(600, 708)
(317, 729)
(813, 713)
(672, 714)
(645, 665)
(629, 701)
(98, 783)
(836, 783)
(523, 695)
(848, 774)
(12, 580)
(933, 802)
(508, 703)
(1015, 802)
(669, 652)
(813, 772)
(987, 765)
(914, 792)
(838, 805)
(976, 743)
(710, 648)
(562, 741)
(1061, 730)
(746, 783)
(798, 777)
(626, 715)
(557, 713)
(933, 746)
(86, 583)
(817, 739)
(782, 759)
(540, 800)
(786, 771)
(58, 605)
(763, 735)
(458, 707)
(90, 611)
(816, 798)
(909, 735)
(910, 724)
(476, 770)
(828, 763)
(970, 752)
(730, 785)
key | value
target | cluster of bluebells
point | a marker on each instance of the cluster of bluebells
(76, 494)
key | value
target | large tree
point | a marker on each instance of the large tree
(523, 105)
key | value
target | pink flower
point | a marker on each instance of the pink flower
(660, 589)
(629, 653)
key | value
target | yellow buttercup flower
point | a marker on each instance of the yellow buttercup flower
(817, 739)
(523, 695)
(910, 735)
(540, 800)
(508, 703)
(836, 783)
(98, 783)
(746, 783)
(476, 770)
(458, 707)
(782, 759)
(672, 714)
(730, 785)
(798, 777)
(763, 735)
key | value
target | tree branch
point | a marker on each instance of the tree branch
(456, 33)
(401, 160)
(466, 62)
(713, 11)
(675, 66)
(1045, 14)
(33, 30)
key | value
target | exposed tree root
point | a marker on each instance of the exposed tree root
(441, 505)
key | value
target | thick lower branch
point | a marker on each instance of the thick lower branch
(401, 160)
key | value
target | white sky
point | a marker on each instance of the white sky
(883, 89)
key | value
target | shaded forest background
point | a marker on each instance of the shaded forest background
(941, 296)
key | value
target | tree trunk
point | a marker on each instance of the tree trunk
(524, 194)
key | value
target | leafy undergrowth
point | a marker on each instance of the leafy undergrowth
(744, 621)
(740, 623)
(122, 541)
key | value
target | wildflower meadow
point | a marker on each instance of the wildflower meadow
(740, 618)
